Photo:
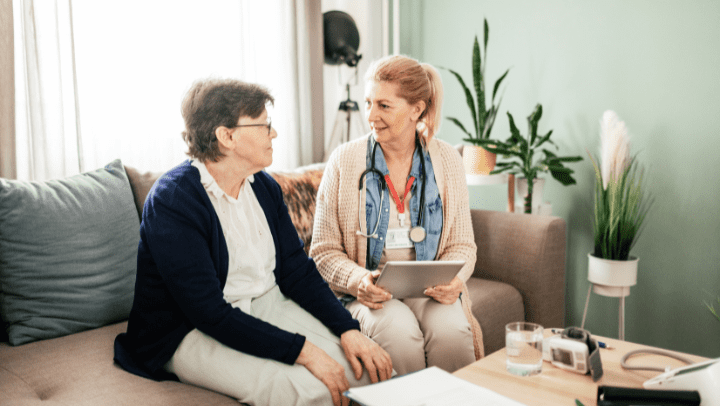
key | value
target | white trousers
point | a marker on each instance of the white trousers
(202, 361)
(418, 333)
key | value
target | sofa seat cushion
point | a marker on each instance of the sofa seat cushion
(494, 304)
(79, 370)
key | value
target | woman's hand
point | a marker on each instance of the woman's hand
(446, 294)
(327, 370)
(371, 295)
(359, 348)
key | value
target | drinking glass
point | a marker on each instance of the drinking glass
(523, 343)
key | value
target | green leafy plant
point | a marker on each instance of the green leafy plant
(711, 307)
(483, 115)
(620, 202)
(523, 155)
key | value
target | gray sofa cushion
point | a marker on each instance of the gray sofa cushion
(68, 252)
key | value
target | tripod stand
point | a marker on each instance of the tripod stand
(348, 125)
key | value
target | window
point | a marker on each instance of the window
(133, 62)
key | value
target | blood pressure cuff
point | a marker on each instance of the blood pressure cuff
(594, 363)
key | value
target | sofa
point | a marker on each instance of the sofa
(519, 275)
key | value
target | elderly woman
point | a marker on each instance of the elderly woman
(225, 296)
(403, 103)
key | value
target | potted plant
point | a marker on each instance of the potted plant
(476, 159)
(525, 157)
(620, 210)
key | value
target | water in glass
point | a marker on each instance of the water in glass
(523, 343)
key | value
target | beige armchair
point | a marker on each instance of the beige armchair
(519, 273)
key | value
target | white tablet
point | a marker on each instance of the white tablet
(410, 278)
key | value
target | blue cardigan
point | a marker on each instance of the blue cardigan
(182, 267)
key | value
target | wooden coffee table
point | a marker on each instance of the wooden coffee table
(554, 386)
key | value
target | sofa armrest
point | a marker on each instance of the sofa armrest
(527, 252)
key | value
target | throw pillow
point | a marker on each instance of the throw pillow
(68, 253)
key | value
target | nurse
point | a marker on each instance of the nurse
(412, 205)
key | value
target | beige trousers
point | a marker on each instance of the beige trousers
(418, 333)
(202, 361)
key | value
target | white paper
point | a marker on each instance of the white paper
(429, 387)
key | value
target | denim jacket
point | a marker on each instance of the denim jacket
(432, 218)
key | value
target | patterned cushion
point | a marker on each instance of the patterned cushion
(300, 191)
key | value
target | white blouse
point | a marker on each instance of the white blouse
(251, 249)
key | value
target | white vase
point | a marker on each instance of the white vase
(611, 277)
(522, 191)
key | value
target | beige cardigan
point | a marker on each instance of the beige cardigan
(340, 253)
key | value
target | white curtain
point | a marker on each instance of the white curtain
(116, 73)
(278, 47)
(48, 141)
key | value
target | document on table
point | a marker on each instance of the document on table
(429, 387)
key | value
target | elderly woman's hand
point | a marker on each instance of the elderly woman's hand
(446, 294)
(371, 295)
(362, 351)
(327, 370)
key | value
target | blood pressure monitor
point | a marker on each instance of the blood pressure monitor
(574, 350)
(567, 354)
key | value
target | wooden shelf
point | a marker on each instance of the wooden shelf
(481, 180)
(499, 179)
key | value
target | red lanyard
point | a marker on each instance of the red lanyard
(399, 202)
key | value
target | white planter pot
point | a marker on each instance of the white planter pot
(522, 191)
(610, 277)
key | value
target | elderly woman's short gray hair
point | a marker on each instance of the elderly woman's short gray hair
(212, 103)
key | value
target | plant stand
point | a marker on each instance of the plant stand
(612, 279)
(621, 313)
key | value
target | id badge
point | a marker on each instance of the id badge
(397, 238)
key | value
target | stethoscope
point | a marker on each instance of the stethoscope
(417, 233)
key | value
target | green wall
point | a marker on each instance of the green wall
(656, 63)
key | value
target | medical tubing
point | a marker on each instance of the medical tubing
(625, 357)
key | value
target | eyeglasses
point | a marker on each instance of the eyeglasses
(268, 125)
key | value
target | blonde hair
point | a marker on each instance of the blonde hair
(417, 82)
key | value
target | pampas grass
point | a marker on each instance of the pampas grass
(620, 202)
